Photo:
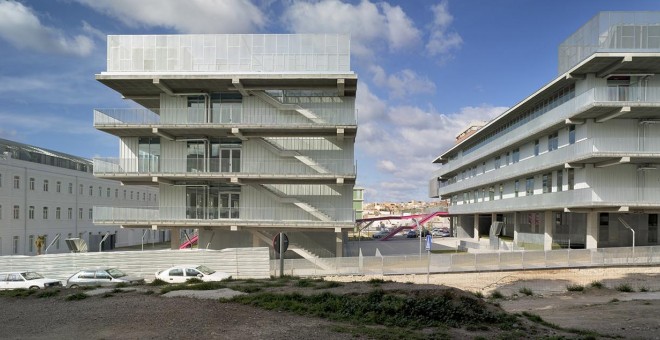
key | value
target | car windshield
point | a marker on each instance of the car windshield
(114, 272)
(31, 276)
(204, 269)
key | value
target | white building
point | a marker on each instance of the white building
(243, 135)
(577, 161)
(44, 192)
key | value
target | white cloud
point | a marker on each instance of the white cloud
(20, 26)
(370, 24)
(441, 40)
(191, 16)
(402, 83)
(41, 122)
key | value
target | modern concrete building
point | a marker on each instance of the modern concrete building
(576, 162)
(358, 201)
(45, 192)
(244, 136)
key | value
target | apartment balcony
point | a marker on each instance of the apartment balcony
(612, 198)
(597, 103)
(196, 217)
(129, 170)
(188, 122)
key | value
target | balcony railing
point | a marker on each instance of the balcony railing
(649, 95)
(211, 215)
(167, 166)
(331, 116)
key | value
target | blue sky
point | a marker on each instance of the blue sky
(426, 68)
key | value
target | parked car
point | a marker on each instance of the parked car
(27, 280)
(411, 234)
(440, 233)
(380, 233)
(101, 276)
(179, 274)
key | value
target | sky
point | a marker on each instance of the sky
(426, 69)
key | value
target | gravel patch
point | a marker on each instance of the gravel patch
(224, 293)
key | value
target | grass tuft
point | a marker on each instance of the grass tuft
(48, 293)
(77, 296)
(575, 288)
(624, 287)
(121, 285)
(478, 294)
(526, 291)
(597, 285)
(20, 292)
(496, 294)
(157, 282)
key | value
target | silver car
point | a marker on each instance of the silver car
(101, 276)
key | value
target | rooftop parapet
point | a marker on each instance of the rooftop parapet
(611, 32)
(230, 53)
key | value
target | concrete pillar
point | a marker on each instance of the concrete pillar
(339, 243)
(549, 226)
(175, 238)
(592, 230)
(516, 228)
(476, 227)
(255, 239)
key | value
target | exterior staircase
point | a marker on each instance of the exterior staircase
(315, 255)
(288, 107)
(284, 198)
(274, 147)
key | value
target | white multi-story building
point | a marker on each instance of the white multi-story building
(46, 193)
(244, 136)
(577, 161)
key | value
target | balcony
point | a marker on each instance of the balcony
(252, 171)
(221, 217)
(594, 103)
(189, 121)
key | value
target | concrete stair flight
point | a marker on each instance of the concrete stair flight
(284, 198)
(288, 107)
(280, 151)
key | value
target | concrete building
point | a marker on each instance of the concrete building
(44, 192)
(358, 201)
(576, 162)
(244, 136)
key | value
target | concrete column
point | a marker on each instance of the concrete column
(592, 230)
(339, 244)
(255, 239)
(175, 238)
(476, 227)
(549, 226)
(516, 228)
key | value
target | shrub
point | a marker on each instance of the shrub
(48, 293)
(526, 291)
(328, 284)
(574, 288)
(643, 289)
(496, 295)
(194, 280)
(121, 285)
(624, 288)
(305, 283)
(77, 296)
(478, 294)
(597, 285)
(157, 282)
(20, 292)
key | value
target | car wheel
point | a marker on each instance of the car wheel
(73, 286)
(34, 287)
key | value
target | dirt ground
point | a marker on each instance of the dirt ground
(138, 315)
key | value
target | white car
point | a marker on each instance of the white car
(180, 274)
(26, 280)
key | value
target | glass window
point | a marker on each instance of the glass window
(31, 243)
(90, 213)
(516, 155)
(653, 229)
(15, 245)
(31, 185)
(45, 213)
(58, 186)
(91, 190)
(70, 213)
(536, 147)
(17, 182)
(506, 159)
(17, 212)
(108, 192)
(31, 212)
(560, 180)
(45, 185)
(100, 192)
(501, 190)
(116, 193)
(497, 162)
(176, 272)
(516, 188)
(80, 192)
(58, 212)
(547, 182)
(571, 134)
(571, 179)
(148, 154)
(71, 188)
(80, 213)
(529, 186)
(553, 141)
(491, 193)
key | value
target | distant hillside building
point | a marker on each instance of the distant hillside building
(469, 131)
(575, 163)
(45, 192)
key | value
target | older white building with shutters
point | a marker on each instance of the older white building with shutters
(577, 161)
(244, 136)
(49, 193)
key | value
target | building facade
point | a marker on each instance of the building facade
(575, 164)
(243, 135)
(48, 193)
